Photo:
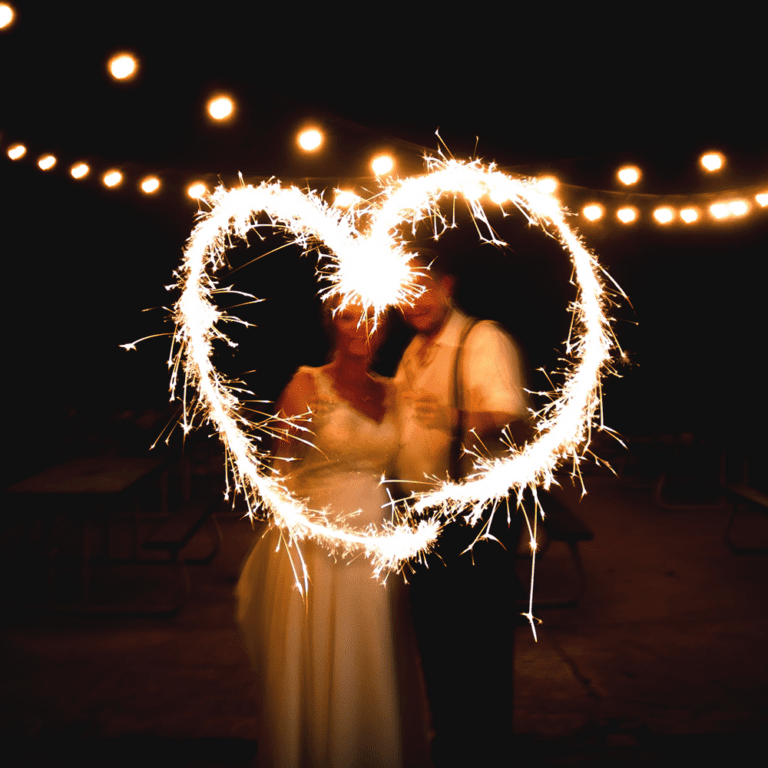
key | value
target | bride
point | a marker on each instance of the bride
(338, 674)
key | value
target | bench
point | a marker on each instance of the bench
(743, 495)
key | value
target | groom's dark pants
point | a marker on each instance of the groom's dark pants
(465, 617)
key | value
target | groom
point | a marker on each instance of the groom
(460, 382)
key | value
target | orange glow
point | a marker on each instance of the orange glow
(310, 139)
(689, 215)
(593, 211)
(382, 164)
(150, 185)
(762, 199)
(196, 190)
(17, 151)
(112, 178)
(548, 184)
(719, 210)
(629, 175)
(712, 161)
(664, 215)
(80, 170)
(627, 215)
(122, 66)
(46, 162)
(738, 207)
(221, 107)
(345, 198)
(6, 15)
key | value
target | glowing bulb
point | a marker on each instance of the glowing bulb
(122, 66)
(310, 139)
(548, 184)
(762, 199)
(593, 212)
(738, 207)
(629, 175)
(46, 162)
(17, 151)
(196, 190)
(221, 107)
(150, 185)
(626, 215)
(344, 198)
(719, 210)
(80, 170)
(112, 178)
(664, 215)
(382, 164)
(6, 15)
(712, 161)
(689, 215)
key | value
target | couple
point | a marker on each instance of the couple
(339, 677)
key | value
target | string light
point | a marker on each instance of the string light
(122, 66)
(689, 215)
(629, 175)
(627, 215)
(547, 184)
(17, 151)
(345, 198)
(220, 107)
(664, 215)
(382, 164)
(6, 15)
(46, 162)
(150, 184)
(762, 199)
(79, 171)
(712, 161)
(112, 178)
(310, 139)
(593, 211)
(196, 190)
(719, 210)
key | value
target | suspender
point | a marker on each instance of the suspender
(454, 456)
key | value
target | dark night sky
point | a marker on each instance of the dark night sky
(575, 97)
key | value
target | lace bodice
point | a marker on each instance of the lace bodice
(350, 455)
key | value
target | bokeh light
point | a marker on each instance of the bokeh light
(122, 66)
(46, 162)
(17, 151)
(593, 211)
(221, 107)
(6, 15)
(719, 210)
(382, 164)
(627, 215)
(762, 199)
(310, 139)
(664, 214)
(548, 184)
(345, 198)
(689, 215)
(112, 178)
(738, 207)
(712, 161)
(79, 170)
(629, 175)
(150, 185)
(196, 190)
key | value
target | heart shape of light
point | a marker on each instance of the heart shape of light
(372, 268)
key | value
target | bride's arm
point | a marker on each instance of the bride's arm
(294, 410)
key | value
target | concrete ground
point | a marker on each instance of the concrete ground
(662, 659)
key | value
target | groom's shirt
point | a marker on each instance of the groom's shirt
(491, 379)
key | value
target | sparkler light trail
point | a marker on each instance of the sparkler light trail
(371, 268)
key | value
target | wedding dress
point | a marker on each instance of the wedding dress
(338, 672)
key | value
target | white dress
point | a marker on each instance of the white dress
(338, 672)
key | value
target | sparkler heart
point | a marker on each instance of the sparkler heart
(371, 267)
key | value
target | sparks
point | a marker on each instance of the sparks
(371, 268)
